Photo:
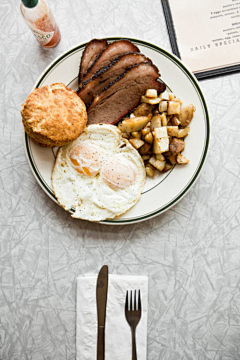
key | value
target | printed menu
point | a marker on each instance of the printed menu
(205, 34)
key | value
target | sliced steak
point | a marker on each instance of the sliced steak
(92, 50)
(109, 74)
(111, 52)
(124, 94)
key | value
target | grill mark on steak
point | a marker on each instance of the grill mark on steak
(90, 54)
(124, 94)
(111, 52)
(109, 74)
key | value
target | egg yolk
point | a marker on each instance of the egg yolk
(86, 159)
(118, 173)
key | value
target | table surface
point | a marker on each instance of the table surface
(191, 253)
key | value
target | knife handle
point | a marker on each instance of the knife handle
(101, 343)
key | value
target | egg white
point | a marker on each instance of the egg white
(91, 197)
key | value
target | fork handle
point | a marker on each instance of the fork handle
(134, 349)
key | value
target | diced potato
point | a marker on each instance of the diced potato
(137, 143)
(167, 167)
(178, 100)
(146, 130)
(173, 108)
(158, 164)
(163, 119)
(134, 124)
(167, 153)
(160, 140)
(144, 150)
(183, 132)
(149, 138)
(186, 115)
(152, 101)
(151, 93)
(163, 106)
(172, 159)
(152, 159)
(174, 121)
(126, 135)
(161, 132)
(172, 130)
(155, 122)
(181, 159)
(143, 109)
(159, 137)
(137, 134)
(171, 96)
(165, 95)
(160, 145)
(176, 146)
(160, 157)
(149, 170)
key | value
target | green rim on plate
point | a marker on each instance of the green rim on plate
(195, 84)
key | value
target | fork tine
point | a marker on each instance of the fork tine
(131, 301)
(135, 300)
(126, 302)
(139, 301)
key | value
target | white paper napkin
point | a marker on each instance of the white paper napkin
(118, 344)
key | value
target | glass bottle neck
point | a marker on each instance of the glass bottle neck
(30, 3)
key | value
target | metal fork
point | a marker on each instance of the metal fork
(133, 316)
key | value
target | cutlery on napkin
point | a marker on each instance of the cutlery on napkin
(118, 344)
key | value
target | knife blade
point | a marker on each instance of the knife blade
(101, 295)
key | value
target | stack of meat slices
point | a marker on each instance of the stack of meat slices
(112, 78)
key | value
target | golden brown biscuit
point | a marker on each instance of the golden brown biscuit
(54, 115)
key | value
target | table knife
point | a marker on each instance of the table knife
(101, 294)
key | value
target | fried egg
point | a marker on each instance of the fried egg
(99, 175)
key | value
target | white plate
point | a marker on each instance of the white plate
(165, 190)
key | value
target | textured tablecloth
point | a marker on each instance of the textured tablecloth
(191, 253)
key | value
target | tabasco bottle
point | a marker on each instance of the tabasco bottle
(39, 18)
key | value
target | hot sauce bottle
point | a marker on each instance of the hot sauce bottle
(39, 18)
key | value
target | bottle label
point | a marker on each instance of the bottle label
(43, 37)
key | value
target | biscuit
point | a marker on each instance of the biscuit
(54, 115)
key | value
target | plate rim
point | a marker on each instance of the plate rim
(197, 87)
